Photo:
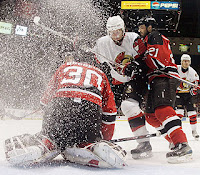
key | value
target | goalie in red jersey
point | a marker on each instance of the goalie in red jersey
(78, 123)
(155, 50)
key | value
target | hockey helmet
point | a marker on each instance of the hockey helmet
(186, 57)
(115, 23)
(147, 21)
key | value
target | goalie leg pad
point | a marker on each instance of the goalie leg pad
(84, 157)
(27, 149)
(111, 153)
(102, 154)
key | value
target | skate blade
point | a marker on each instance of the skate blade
(182, 159)
(143, 155)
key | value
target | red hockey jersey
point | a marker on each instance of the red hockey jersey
(159, 55)
(81, 80)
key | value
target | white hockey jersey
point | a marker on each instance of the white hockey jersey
(105, 48)
(190, 75)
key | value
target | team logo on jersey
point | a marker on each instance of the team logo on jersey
(184, 86)
(121, 60)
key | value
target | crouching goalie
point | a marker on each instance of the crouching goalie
(78, 123)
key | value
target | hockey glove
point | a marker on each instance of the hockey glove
(193, 91)
(131, 69)
(140, 47)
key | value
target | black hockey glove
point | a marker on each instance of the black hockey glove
(131, 69)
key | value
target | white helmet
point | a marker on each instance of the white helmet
(185, 57)
(115, 23)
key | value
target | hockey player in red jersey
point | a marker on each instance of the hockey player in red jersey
(116, 48)
(162, 93)
(185, 93)
(79, 121)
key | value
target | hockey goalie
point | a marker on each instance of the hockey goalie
(78, 123)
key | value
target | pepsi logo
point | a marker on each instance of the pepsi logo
(155, 5)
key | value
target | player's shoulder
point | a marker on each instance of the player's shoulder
(179, 66)
(104, 39)
(192, 70)
(131, 35)
(155, 37)
(87, 66)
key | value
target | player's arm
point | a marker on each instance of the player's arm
(49, 92)
(108, 109)
(194, 90)
(140, 47)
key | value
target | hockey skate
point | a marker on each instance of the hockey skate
(143, 150)
(181, 153)
(195, 135)
(171, 146)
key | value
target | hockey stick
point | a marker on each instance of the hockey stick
(19, 118)
(180, 79)
(136, 137)
(36, 21)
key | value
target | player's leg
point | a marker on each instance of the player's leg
(86, 135)
(133, 96)
(153, 120)
(26, 149)
(164, 94)
(72, 122)
(179, 105)
(192, 114)
(103, 154)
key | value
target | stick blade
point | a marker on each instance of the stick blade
(36, 19)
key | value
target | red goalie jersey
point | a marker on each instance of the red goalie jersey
(81, 80)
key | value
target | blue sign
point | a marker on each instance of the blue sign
(165, 5)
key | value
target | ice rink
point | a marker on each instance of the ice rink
(156, 165)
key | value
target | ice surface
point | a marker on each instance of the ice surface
(157, 165)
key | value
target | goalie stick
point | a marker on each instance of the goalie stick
(12, 116)
(136, 137)
(36, 21)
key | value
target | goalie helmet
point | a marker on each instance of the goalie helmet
(185, 57)
(115, 23)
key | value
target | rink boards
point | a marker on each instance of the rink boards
(37, 115)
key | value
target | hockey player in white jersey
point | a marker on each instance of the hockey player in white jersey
(116, 48)
(185, 93)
